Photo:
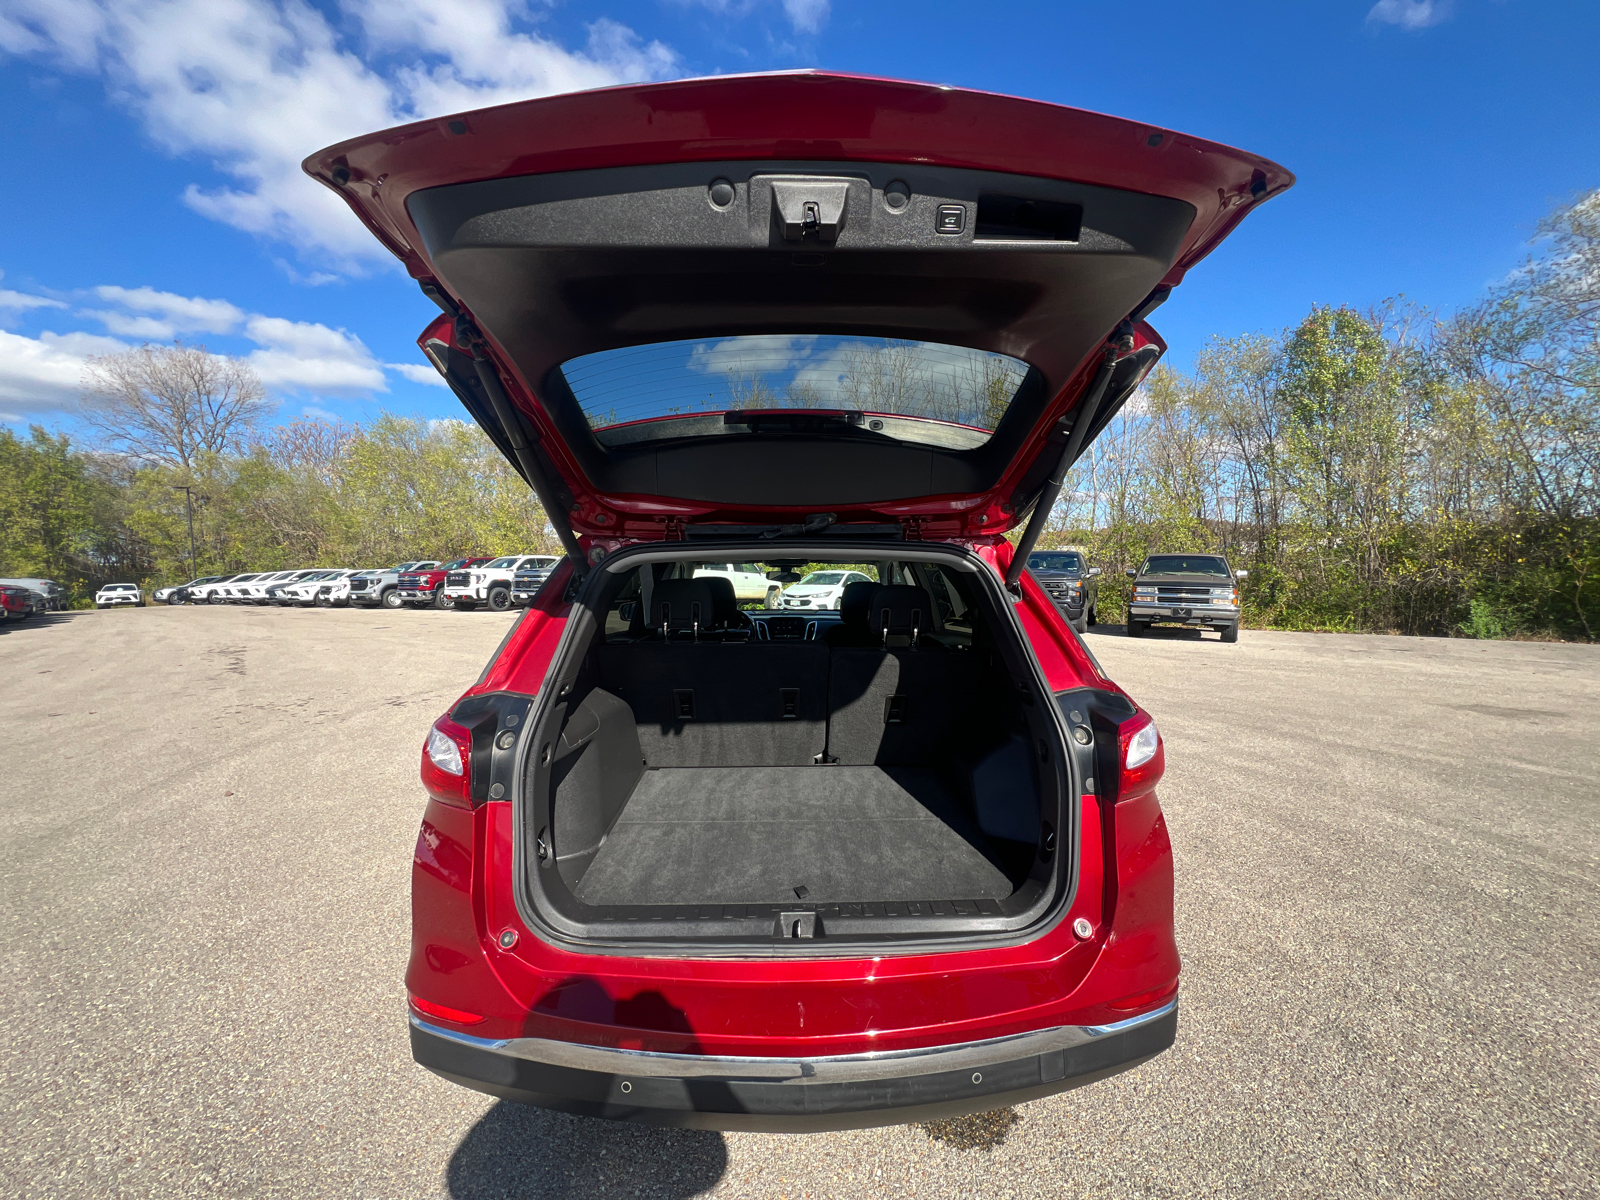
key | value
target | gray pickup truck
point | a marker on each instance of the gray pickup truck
(1186, 589)
(371, 588)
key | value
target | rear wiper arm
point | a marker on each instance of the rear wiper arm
(815, 523)
(797, 420)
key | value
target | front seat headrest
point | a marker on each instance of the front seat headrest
(855, 601)
(682, 605)
(900, 614)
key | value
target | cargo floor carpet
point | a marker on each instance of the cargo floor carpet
(752, 835)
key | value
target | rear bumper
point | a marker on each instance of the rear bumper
(793, 1095)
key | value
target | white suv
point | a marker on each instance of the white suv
(302, 592)
(115, 594)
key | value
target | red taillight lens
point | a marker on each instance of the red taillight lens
(443, 1013)
(447, 763)
(1141, 758)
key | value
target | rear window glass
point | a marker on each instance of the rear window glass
(919, 391)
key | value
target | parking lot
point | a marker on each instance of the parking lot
(1388, 902)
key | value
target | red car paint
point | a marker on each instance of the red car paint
(462, 904)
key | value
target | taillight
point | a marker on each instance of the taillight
(1141, 758)
(447, 763)
(443, 1012)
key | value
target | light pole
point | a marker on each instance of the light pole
(188, 497)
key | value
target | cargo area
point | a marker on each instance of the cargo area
(878, 758)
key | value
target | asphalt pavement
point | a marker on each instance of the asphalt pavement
(1388, 861)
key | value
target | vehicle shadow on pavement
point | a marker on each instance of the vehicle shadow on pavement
(517, 1151)
(1155, 632)
(39, 621)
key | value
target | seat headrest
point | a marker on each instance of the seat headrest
(855, 602)
(900, 614)
(723, 598)
(681, 604)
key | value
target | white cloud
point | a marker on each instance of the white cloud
(807, 16)
(44, 374)
(256, 85)
(754, 354)
(21, 301)
(1410, 14)
(418, 373)
(299, 356)
(161, 316)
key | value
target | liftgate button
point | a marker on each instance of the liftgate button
(951, 218)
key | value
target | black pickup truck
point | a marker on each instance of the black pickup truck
(1070, 582)
(1186, 589)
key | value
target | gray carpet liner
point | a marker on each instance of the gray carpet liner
(750, 835)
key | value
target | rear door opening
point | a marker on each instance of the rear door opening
(706, 771)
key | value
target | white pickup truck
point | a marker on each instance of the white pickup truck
(488, 584)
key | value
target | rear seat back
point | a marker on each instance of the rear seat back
(899, 706)
(714, 704)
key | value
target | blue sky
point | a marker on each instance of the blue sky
(152, 187)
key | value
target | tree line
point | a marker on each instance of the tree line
(1388, 470)
(180, 442)
(1382, 470)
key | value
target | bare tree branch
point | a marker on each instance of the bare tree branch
(171, 404)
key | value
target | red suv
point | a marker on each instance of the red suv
(694, 864)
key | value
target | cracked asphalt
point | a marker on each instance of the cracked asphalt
(1387, 905)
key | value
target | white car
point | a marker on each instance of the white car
(302, 590)
(749, 583)
(114, 595)
(820, 589)
(488, 584)
(255, 592)
(232, 591)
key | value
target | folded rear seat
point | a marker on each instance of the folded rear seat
(907, 703)
(700, 702)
